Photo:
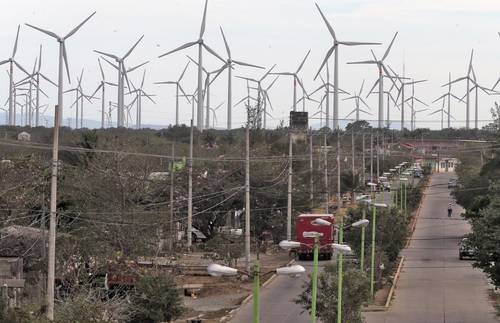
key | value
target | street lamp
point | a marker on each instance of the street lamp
(374, 230)
(341, 248)
(217, 270)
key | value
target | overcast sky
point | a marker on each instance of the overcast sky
(435, 37)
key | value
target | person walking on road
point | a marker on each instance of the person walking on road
(449, 210)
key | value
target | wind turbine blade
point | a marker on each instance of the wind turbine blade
(416, 99)
(124, 71)
(184, 93)
(349, 98)
(97, 89)
(143, 77)
(80, 79)
(327, 56)
(165, 82)
(133, 47)
(72, 32)
(353, 43)
(364, 111)
(51, 34)
(4, 61)
(211, 51)
(366, 105)
(183, 71)
(65, 57)
(303, 61)
(15, 43)
(347, 116)
(246, 64)
(148, 96)
(218, 72)
(301, 85)
(179, 48)
(389, 48)
(470, 62)
(110, 63)
(100, 68)
(204, 20)
(111, 83)
(330, 29)
(272, 83)
(107, 54)
(373, 87)
(442, 96)
(457, 98)
(454, 81)
(361, 89)
(225, 43)
(21, 68)
(136, 67)
(435, 112)
(363, 62)
(415, 82)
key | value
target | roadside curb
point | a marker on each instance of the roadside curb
(394, 283)
(417, 215)
(249, 297)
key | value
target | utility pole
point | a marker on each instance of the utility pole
(53, 218)
(371, 157)
(378, 164)
(364, 166)
(171, 220)
(247, 197)
(352, 148)
(341, 235)
(190, 190)
(325, 163)
(289, 205)
(311, 168)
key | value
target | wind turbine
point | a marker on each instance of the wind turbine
(412, 100)
(201, 44)
(122, 76)
(262, 93)
(443, 111)
(468, 79)
(11, 60)
(230, 62)
(358, 99)
(214, 114)
(139, 93)
(102, 87)
(177, 88)
(296, 80)
(381, 69)
(476, 88)
(335, 47)
(448, 95)
(63, 57)
(414, 117)
(78, 103)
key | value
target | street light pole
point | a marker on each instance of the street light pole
(341, 236)
(314, 280)
(256, 293)
(362, 252)
(372, 267)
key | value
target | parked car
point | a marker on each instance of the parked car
(386, 186)
(465, 250)
(452, 183)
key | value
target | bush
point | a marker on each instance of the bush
(155, 299)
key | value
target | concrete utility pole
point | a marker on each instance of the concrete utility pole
(339, 201)
(352, 148)
(53, 217)
(289, 204)
(190, 190)
(325, 163)
(378, 163)
(247, 198)
(171, 215)
(311, 168)
(371, 157)
(363, 157)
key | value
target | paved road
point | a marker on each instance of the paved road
(277, 304)
(435, 286)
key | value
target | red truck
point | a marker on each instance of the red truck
(303, 224)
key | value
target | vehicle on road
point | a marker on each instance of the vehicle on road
(386, 186)
(465, 250)
(452, 183)
(303, 224)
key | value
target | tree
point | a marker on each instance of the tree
(485, 237)
(155, 299)
(358, 126)
(355, 292)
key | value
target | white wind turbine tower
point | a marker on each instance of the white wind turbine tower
(138, 98)
(28, 81)
(443, 112)
(468, 79)
(335, 47)
(229, 65)
(380, 81)
(206, 90)
(296, 80)
(214, 115)
(102, 86)
(412, 100)
(177, 88)
(78, 103)
(122, 77)
(201, 44)
(63, 59)
(13, 62)
(476, 88)
(447, 96)
(53, 192)
(357, 100)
